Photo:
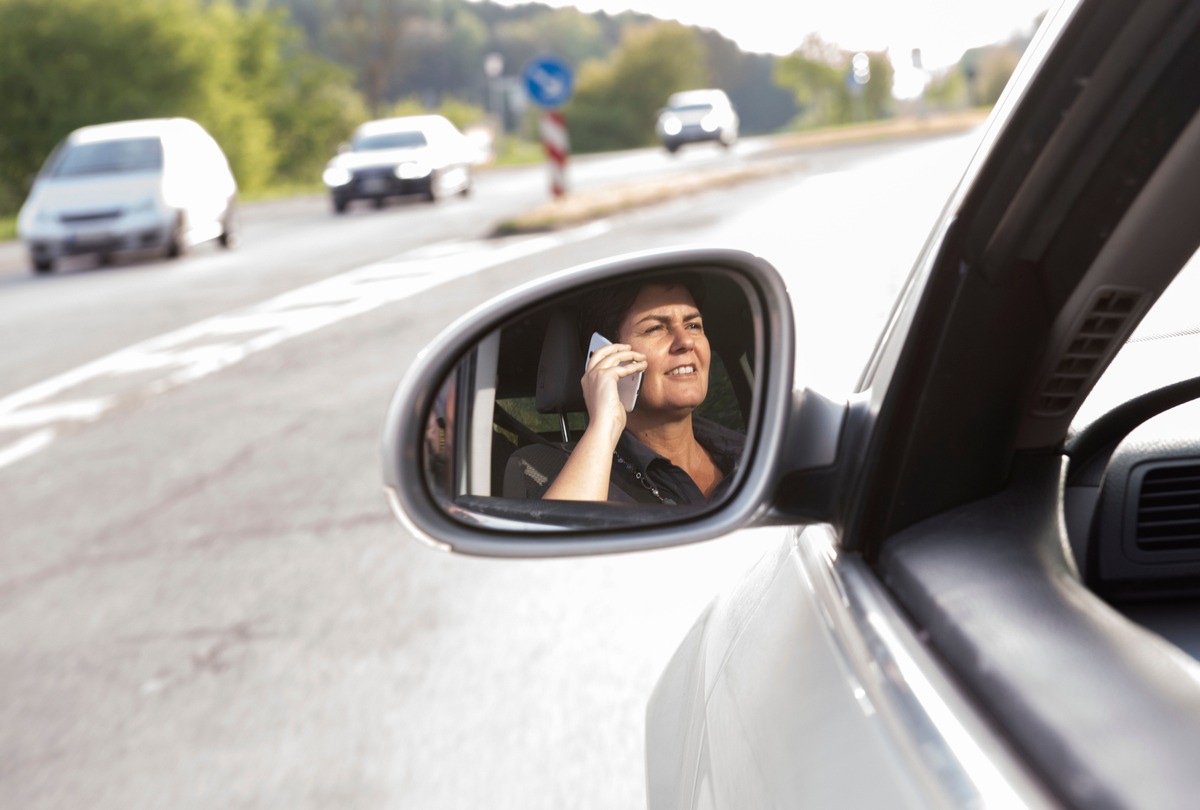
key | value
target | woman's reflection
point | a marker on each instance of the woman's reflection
(660, 453)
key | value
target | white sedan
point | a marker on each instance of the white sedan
(392, 157)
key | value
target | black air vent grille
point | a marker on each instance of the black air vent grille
(1106, 322)
(1168, 508)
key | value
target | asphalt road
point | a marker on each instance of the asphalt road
(203, 599)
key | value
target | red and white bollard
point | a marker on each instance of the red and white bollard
(557, 145)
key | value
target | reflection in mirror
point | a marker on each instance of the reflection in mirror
(536, 416)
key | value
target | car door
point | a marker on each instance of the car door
(929, 639)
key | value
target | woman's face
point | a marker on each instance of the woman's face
(665, 325)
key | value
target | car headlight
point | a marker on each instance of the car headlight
(672, 126)
(710, 123)
(412, 171)
(335, 176)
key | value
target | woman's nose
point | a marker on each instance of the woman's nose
(684, 340)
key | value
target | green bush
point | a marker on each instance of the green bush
(277, 111)
(616, 102)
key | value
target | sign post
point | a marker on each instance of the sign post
(549, 83)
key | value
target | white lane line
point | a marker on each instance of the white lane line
(26, 447)
(80, 410)
(196, 351)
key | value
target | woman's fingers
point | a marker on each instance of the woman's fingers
(632, 367)
(614, 355)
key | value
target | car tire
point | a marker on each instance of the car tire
(465, 191)
(340, 205)
(176, 243)
(431, 190)
(377, 203)
(672, 147)
(230, 233)
(42, 266)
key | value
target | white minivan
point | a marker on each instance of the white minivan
(156, 184)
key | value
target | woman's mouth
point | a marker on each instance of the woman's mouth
(681, 370)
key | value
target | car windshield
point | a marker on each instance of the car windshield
(110, 157)
(692, 108)
(410, 139)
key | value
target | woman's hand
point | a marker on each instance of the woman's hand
(599, 382)
(585, 475)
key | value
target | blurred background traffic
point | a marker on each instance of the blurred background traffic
(281, 84)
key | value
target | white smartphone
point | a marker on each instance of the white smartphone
(627, 387)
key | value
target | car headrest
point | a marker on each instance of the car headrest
(560, 366)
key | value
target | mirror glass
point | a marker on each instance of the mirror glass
(527, 428)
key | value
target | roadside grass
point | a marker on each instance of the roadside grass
(785, 154)
(576, 209)
(8, 228)
(281, 191)
(512, 151)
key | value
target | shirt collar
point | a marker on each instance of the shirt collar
(725, 446)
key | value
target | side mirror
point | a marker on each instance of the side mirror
(489, 414)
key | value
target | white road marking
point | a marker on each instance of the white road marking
(194, 352)
(26, 447)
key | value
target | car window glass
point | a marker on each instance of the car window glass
(111, 157)
(721, 405)
(524, 410)
(390, 140)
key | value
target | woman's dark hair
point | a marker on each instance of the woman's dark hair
(603, 309)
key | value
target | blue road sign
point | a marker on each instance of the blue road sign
(548, 81)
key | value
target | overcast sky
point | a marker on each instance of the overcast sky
(943, 29)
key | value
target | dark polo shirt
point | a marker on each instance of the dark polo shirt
(644, 471)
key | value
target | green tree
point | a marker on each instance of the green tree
(313, 110)
(814, 82)
(459, 112)
(821, 78)
(70, 63)
(239, 70)
(275, 109)
(369, 36)
(307, 103)
(448, 49)
(574, 36)
(996, 67)
(615, 102)
(947, 90)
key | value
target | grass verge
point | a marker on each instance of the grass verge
(576, 209)
(784, 155)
